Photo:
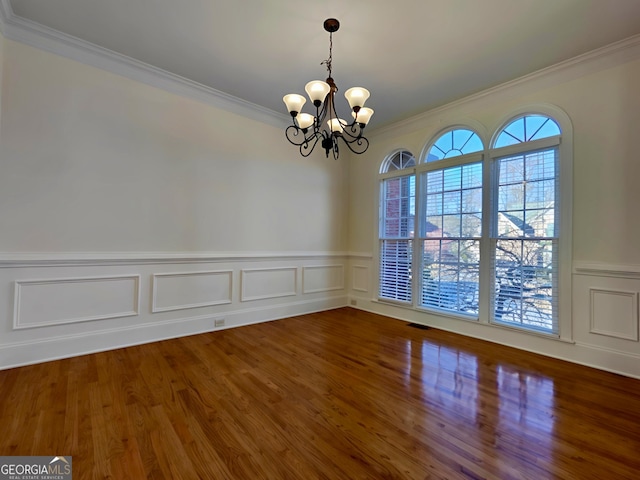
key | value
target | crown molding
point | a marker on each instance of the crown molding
(31, 33)
(39, 36)
(608, 56)
(5, 13)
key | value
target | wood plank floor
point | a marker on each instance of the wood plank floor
(335, 395)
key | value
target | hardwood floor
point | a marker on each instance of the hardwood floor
(335, 395)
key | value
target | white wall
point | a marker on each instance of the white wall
(129, 213)
(600, 95)
(1, 69)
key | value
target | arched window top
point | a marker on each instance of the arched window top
(398, 161)
(459, 141)
(527, 128)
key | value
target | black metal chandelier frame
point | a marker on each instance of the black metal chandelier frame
(327, 128)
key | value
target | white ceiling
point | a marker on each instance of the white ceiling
(412, 55)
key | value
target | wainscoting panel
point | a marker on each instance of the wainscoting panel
(322, 278)
(62, 305)
(614, 313)
(179, 291)
(57, 301)
(360, 278)
(264, 283)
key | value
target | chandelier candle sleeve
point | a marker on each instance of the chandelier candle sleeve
(325, 126)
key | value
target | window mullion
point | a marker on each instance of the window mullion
(489, 207)
(418, 229)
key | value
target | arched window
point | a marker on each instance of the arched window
(472, 230)
(459, 141)
(525, 233)
(396, 229)
(526, 129)
(398, 161)
(450, 227)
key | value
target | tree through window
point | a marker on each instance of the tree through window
(466, 209)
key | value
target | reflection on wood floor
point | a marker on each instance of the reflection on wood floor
(334, 395)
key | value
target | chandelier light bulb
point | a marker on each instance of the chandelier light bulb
(294, 103)
(305, 120)
(336, 125)
(363, 115)
(356, 96)
(317, 91)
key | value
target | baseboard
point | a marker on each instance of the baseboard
(607, 359)
(38, 351)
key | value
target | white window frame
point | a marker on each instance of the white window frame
(564, 144)
(384, 175)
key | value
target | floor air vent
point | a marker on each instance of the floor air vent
(420, 326)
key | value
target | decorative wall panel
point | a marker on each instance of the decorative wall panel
(360, 278)
(178, 291)
(58, 301)
(614, 313)
(264, 283)
(322, 278)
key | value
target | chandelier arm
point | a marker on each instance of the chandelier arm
(307, 147)
(321, 115)
(293, 131)
(353, 131)
(358, 145)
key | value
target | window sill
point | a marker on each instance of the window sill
(471, 319)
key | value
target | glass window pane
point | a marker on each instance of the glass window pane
(540, 194)
(452, 178)
(395, 270)
(451, 225)
(398, 207)
(399, 161)
(434, 204)
(472, 175)
(471, 225)
(451, 202)
(472, 200)
(539, 126)
(526, 129)
(504, 140)
(433, 226)
(525, 276)
(540, 166)
(541, 222)
(450, 275)
(434, 181)
(511, 197)
(453, 143)
(511, 170)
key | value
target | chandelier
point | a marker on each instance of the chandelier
(326, 126)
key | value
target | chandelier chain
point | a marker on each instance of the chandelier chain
(327, 62)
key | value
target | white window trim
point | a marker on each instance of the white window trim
(564, 143)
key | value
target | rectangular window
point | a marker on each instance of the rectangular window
(450, 234)
(397, 218)
(525, 241)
